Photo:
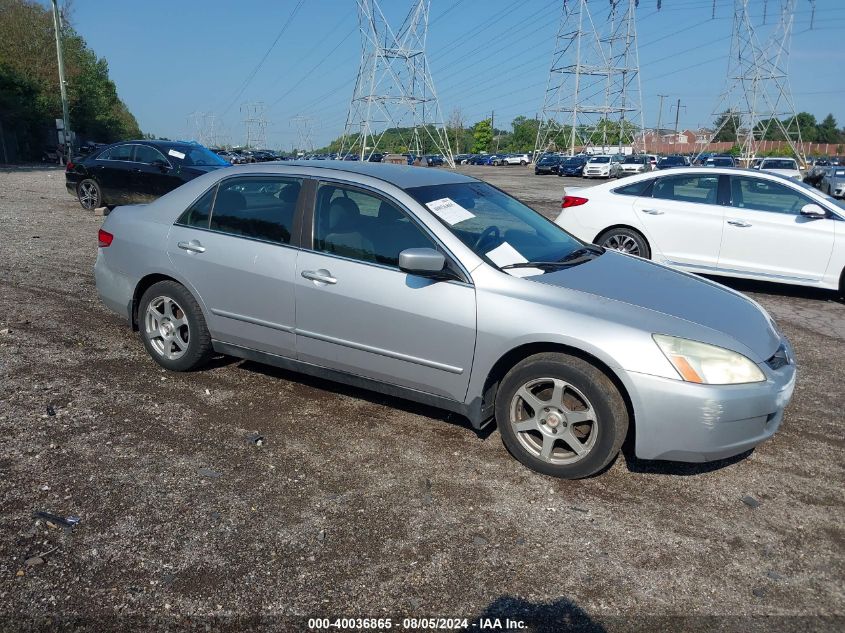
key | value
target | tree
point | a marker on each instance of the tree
(482, 134)
(726, 124)
(806, 122)
(827, 130)
(524, 134)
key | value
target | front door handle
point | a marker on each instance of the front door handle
(192, 247)
(653, 211)
(320, 276)
(739, 223)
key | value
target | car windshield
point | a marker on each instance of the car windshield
(779, 164)
(600, 159)
(196, 155)
(634, 160)
(498, 228)
(672, 160)
(722, 162)
(573, 161)
(547, 160)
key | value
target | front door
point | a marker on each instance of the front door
(357, 312)
(151, 177)
(233, 247)
(683, 219)
(766, 235)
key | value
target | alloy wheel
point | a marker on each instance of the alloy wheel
(166, 327)
(89, 197)
(553, 421)
(623, 243)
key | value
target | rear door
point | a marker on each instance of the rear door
(357, 312)
(114, 174)
(766, 235)
(234, 247)
(683, 220)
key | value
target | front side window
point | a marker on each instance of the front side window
(765, 195)
(355, 224)
(260, 208)
(148, 155)
(495, 226)
(701, 189)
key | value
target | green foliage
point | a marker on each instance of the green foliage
(727, 125)
(482, 135)
(29, 84)
(827, 131)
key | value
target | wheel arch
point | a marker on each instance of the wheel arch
(153, 278)
(516, 355)
(622, 225)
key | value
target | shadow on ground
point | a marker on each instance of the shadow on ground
(516, 614)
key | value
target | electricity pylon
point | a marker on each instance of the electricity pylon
(593, 94)
(304, 125)
(394, 89)
(757, 101)
(256, 124)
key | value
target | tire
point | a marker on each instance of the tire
(543, 439)
(625, 240)
(89, 195)
(177, 338)
(523, 163)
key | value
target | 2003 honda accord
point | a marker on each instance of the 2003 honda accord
(440, 288)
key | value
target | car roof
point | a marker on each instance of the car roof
(403, 176)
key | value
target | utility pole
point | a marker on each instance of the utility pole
(660, 113)
(57, 25)
(677, 116)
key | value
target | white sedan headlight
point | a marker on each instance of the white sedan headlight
(707, 364)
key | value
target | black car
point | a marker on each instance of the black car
(573, 166)
(462, 159)
(547, 164)
(137, 171)
(672, 161)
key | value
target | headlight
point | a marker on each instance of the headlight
(707, 364)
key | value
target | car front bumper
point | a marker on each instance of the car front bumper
(115, 289)
(688, 422)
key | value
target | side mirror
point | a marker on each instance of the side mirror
(813, 211)
(422, 261)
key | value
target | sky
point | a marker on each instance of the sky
(170, 59)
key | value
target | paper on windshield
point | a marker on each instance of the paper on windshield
(175, 154)
(449, 211)
(505, 254)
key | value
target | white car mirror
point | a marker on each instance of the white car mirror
(813, 211)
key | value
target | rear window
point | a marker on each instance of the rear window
(641, 188)
(779, 164)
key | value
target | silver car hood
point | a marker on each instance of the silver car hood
(672, 293)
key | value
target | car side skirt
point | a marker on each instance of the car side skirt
(470, 411)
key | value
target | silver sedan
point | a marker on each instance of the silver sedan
(833, 181)
(442, 289)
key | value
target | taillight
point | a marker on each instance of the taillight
(104, 238)
(572, 201)
(69, 166)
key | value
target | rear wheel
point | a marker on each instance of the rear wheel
(173, 328)
(561, 416)
(626, 241)
(89, 194)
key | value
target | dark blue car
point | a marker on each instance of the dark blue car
(573, 166)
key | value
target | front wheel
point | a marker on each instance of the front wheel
(88, 192)
(626, 241)
(173, 328)
(561, 416)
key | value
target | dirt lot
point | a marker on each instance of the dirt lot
(391, 510)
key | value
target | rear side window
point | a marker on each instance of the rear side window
(641, 188)
(121, 152)
(701, 189)
(149, 155)
(260, 208)
(197, 214)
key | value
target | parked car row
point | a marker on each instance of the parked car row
(496, 159)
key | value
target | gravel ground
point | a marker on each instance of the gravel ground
(394, 509)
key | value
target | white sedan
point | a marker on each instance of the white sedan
(721, 221)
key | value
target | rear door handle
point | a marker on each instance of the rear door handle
(192, 247)
(653, 211)
(739, 223)
(320, 276)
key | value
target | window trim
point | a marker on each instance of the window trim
(118, 160)
(310, 215)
